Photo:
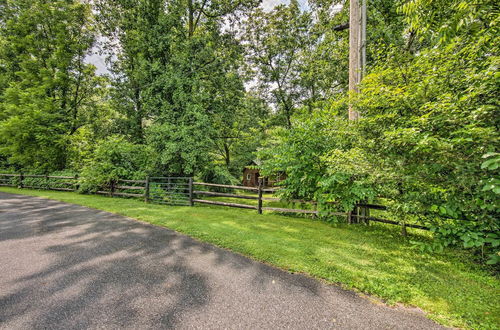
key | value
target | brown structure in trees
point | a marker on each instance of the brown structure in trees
(251, 175)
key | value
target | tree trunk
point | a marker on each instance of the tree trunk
(137, 120)
(190, 18)
(227, 155)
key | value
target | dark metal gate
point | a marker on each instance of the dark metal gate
(169, 190)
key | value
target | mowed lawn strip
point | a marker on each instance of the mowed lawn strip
(371, 259)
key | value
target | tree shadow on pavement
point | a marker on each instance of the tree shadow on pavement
(99, 269)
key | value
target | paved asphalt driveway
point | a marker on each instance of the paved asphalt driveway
(64, 266)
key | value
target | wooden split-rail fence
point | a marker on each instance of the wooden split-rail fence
(258, 191)
(183, 191)
(35, 181)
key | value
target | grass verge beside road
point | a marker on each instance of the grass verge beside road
(371, 259)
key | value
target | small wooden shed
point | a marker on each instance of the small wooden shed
(251, 175)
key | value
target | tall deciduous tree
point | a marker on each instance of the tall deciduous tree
(181, 63)
(241, 133)
(46, 88)
(277, 42)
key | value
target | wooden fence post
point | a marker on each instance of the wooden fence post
(403, 229)
(353, 215)
(146, 190)
(21, 178)
(191, 202)
(47, 185)
(259, 208)
(364, 213)
(111, 188)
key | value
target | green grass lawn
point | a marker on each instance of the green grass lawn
(371, 259)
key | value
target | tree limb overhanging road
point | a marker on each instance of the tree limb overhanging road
(64, 266)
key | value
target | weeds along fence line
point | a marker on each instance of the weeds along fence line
(35, 181)
(181, 191)
(159, 190)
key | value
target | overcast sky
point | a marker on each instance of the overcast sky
(98, 60)
(269, 4)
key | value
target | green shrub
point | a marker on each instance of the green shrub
(115, 158)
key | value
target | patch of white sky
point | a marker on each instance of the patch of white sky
(270, 4)
(98, 59)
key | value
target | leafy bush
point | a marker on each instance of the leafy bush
(320, 161)
(115, 158)
(219, 175)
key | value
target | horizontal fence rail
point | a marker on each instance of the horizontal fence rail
(225, 186)
(392, 222)
(241, 206)
(132, 181)
(180, 191)
(279, 209)
(218, 194)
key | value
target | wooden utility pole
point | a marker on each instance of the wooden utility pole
(357, 54)
(357, 66)
(363, 38)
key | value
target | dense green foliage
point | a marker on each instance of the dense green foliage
(179, 87)
(429, 121)
(46, 88)
(113, 159)
(375, 260)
